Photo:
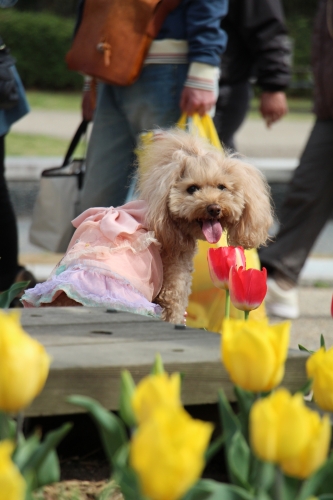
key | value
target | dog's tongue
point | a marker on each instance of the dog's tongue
(212, 230)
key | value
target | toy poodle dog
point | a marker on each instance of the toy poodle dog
(138, 257)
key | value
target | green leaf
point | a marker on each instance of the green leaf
(24, 449)
(109, 491)
(7, 426)
(302, 348)
(51, 441)
(326, 496)
(322, 342)
(230, 426)
(306, 388)
(317, 482)
(157, 367)
(127, 388)
(49, 470)
(229, 422)
(128, 482)
(262, 474)
(30, 482)
(290, 487)
(238, 456)
(10, 294)
(213, 448)
(207, 489)
(121, 456)
(111, 429)
(245, 401)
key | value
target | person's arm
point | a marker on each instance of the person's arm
(266, 34)
(206, 42)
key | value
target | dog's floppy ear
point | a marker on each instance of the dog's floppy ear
(161, 164)
(251, 230)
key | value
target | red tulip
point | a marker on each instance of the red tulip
(220, 260)
(247, 287)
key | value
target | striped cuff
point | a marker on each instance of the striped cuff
(167, 51)
(202, 76)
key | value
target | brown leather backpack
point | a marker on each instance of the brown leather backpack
(114, 37)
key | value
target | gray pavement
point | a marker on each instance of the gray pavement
(275, 151)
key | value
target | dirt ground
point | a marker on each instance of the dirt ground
(79, 490)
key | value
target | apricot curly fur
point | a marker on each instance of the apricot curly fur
(169, 165)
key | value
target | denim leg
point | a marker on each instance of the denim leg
(122, 113)
(109, 155)
(153, 100)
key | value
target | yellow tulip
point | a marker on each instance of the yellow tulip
(167, 452)
(12, 484)
(319, 367)
(24, 364)
(254, 352)
(284, 431)
(315, 453)
(154, 391)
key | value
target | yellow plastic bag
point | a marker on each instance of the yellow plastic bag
(206, 302)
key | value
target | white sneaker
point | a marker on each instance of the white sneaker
(279, 302)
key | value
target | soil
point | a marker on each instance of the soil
(79, 490)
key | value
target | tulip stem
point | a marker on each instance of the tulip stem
(19, 425)
(227, 304)
(278, 485)
(246, 315)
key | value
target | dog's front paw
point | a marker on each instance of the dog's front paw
(175, 317)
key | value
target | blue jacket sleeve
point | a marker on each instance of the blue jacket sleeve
(206, 39)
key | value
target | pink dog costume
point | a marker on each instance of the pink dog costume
(111, 261)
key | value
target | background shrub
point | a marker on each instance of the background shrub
(39, 42)
(39, 34)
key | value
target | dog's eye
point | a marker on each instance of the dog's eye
(220, 186)
(192, 189)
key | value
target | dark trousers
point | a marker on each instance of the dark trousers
(231, 108)
(307, 207)
(8, 231)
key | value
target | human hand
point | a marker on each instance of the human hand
(273, 106)
(196, 101)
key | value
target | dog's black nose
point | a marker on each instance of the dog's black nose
(214, 210)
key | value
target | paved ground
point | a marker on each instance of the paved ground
(283, 140)
(276, 150)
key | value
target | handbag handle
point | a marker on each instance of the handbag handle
(74, 142)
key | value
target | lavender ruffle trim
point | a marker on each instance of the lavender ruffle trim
(92, 289)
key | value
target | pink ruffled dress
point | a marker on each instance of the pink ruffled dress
(111, 261)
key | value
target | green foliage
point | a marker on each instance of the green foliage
(38, 461)
(305, 8)
(39, 42)
(111, 429)
(7, 296)
(59, 7)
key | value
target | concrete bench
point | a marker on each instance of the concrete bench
(90, 347)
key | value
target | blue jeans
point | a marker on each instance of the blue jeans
(122, 113)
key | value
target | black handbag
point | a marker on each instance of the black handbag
(9, 96)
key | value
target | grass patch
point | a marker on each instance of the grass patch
(34, 145)
(69, 101)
